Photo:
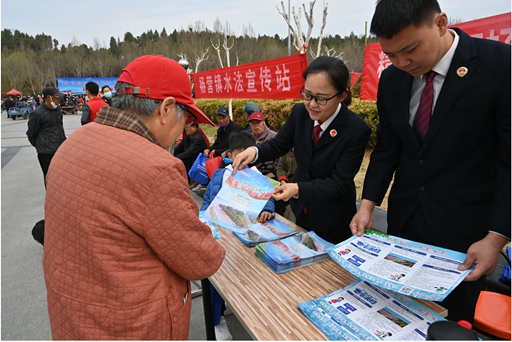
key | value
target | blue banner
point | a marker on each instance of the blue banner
(77, 85)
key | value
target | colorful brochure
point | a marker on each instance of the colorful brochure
(239, 202)
(363, 311)
(296, 251)
(270, 230)
(407, 267)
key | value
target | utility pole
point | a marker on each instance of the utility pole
(289, 34)
(365, 32)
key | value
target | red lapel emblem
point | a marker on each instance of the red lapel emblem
(333, 133)
(462, 71)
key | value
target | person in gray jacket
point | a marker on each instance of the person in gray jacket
(262, 133)
(45, 128)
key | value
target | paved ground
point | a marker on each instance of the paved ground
(24, 311)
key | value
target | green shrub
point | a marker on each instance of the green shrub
(368, 111)
(276, 112)
(356, 88)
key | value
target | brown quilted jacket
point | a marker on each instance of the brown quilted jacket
(122, 239)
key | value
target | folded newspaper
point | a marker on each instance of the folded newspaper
(363, 311)
(296, 251)
(407, 267)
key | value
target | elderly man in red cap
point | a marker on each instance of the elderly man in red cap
(123, 238)
(262, 133)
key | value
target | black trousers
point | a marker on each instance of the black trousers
(462, 300)
(44, 161)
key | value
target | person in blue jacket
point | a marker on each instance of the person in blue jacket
(238, 142)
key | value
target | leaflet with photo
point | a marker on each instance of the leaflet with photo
(408, 267)
(269, 230)
(363, 311)
(240, 200)
(296, 251)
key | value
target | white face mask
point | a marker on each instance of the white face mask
(107, 94)
(54, 106)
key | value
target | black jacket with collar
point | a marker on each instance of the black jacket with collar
(221, 144)
(325, 173)
(460, 175)
(45, 129)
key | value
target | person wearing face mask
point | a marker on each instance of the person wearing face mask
(226, 126)
(107, 94)
(45, 128)
(329, 142)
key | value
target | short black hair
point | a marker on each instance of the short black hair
(93, 88)
(105, 86)
(392, 16)
(243, 139)
(336, 70)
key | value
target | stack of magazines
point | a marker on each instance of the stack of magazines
(293, 252)
(270, 230)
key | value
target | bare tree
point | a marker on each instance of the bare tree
(301, 41)
(200, 59)
(321, 36)
(332, 53)
(217, 48)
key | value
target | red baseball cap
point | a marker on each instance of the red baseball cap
(158, 77)
(256, 116)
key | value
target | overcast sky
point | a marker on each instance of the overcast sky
(87, 20)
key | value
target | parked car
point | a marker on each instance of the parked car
(21, 109)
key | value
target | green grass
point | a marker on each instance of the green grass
(210, 131)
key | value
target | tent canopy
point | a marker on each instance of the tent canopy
(13, 92)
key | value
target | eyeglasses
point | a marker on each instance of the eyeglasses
(321, 101)
(191, 117)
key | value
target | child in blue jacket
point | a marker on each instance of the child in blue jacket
(238, 142)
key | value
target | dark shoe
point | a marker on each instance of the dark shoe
(38, 232)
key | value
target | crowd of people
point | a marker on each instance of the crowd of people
(70, 100)
(123, 236)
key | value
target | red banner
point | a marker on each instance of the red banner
(355, 76)
(279, 78)
(375, 61)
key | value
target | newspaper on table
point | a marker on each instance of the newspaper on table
(408, 267)
(363, 311)
(238, 204)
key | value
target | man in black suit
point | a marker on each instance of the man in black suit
(451, 175)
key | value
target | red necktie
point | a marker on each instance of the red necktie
(424, 112)
(316, 134)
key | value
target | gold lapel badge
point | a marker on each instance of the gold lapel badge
(333, 133)
(462, 71)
